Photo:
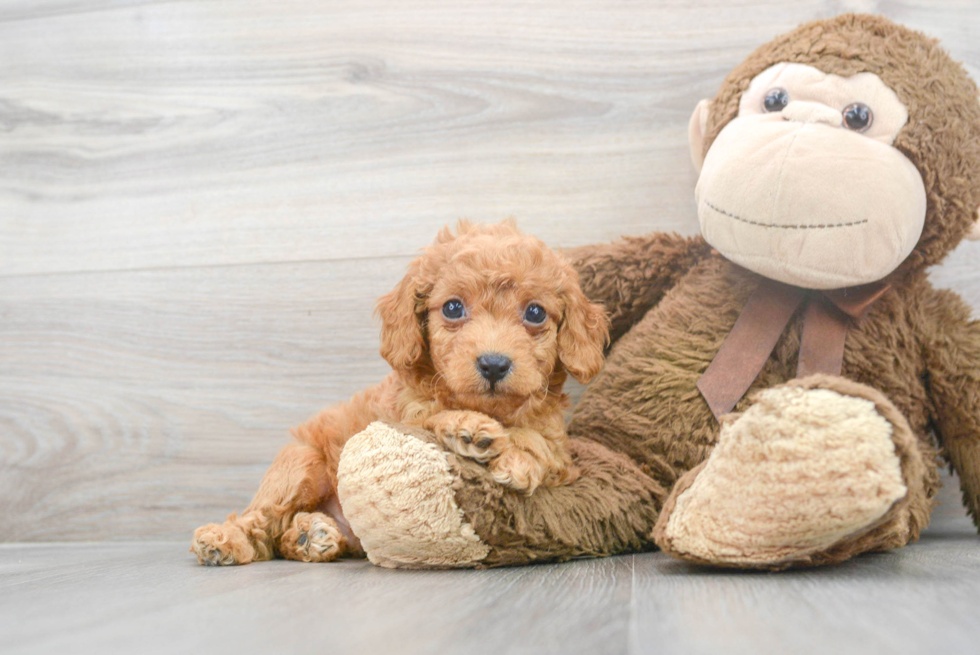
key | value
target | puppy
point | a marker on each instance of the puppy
(481, 335)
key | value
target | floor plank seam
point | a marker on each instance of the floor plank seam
(205, 267)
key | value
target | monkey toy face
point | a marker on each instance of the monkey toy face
(804, 185)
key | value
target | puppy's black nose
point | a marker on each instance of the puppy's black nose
(493, 366)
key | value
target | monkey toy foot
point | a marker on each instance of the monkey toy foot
(813, 472)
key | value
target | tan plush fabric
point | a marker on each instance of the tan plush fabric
(796, 196)
(805, 83)
(797, 472)
(397, 492)
(763, 202)
(696, 129)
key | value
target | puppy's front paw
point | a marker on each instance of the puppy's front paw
(470, 434)
(520, 470)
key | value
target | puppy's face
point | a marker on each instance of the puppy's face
(493, 339)
(491, 316)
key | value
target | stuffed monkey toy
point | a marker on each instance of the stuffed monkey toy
(782, 389)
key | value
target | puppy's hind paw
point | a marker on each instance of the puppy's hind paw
(221, 545)
(312, 537)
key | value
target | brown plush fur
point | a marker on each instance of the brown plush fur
(917, 346)
(515, 424)
(673, 301)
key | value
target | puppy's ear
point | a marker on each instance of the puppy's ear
(582, 335)
(403, 316)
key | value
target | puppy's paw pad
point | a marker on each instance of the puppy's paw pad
(221, 545)
(313, 538)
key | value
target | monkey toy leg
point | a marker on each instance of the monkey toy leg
(814, 472)
(412, 504)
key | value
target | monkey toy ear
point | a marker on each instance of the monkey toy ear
(695, 132)
(974, 233)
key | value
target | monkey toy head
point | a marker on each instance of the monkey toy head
(838, 154)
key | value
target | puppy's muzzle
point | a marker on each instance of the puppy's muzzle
(494, 367)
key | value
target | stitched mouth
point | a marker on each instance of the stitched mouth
(818, 226)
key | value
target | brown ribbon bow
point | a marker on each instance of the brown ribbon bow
(826, 319)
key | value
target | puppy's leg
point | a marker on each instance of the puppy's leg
(303, 478)
(471, 434)
(297, 480)
(529, 459)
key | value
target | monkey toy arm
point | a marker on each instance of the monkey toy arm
(953, 365)
(631, 275)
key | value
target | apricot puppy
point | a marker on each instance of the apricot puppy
(481, 334)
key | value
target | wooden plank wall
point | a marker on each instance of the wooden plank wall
(200, 200)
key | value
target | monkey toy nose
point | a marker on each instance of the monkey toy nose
(493, 366)
(811, 112)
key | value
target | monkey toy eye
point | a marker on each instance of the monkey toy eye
(535, 314)
(858, 117)
(454, 310)
(776, 100)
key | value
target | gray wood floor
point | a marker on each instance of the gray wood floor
(152, 597)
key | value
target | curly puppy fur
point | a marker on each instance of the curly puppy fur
(514, 423)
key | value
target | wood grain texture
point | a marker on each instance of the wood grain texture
(200, 200)
(916, 600)
(201, 133)
(110, 597)
(137, 403)
(154, 598)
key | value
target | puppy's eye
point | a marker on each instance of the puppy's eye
(535, 314)
(453, 310)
